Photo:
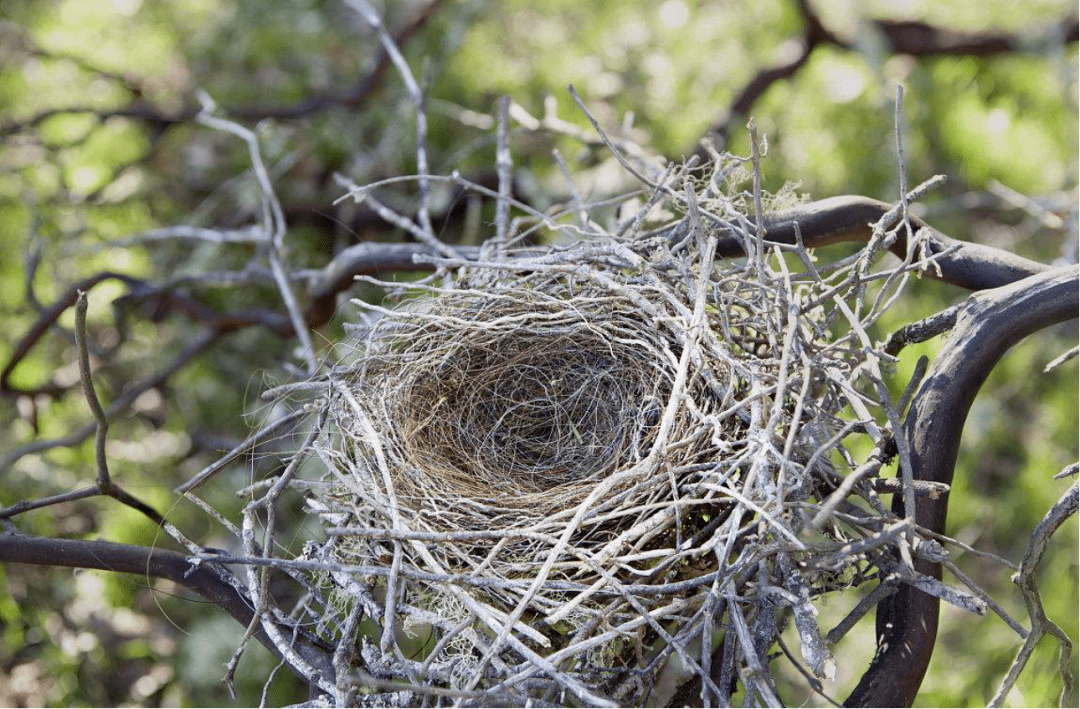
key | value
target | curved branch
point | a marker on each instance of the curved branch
(988, 324)
(848, 218)
(913, 38)
(165, 299)
(45, 320)
(212, 582)
(364, 259)
(120, 403)
(814, 34)
(921, 39)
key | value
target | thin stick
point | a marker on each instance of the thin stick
(88, 391)
(504, 164)
(248, 444)
(413, 89)
(611, 145)
(273, 224)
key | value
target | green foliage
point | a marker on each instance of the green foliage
(73, 182)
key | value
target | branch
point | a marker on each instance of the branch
(166, 299)
(159, 119)
(105, 484)
(120, 403)
(366, 258)
(989, 324)
(45, 320)
(916, 39)
(1027, 580)
(828, 221)
(212, 582)
(849, 218)
(921, 39)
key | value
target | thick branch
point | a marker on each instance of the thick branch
(848, 218)
(828, 221)
(921, 39)
(988, 325)
(364, 259)
(213, 583)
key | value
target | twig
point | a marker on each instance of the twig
(843, 491)
(102, 429)
(1064, 508)
(1068, 471)
(370, 16)
(916, 378)
(504, 164)
(898, 124)
(248, 444)
(273, 223)
(576, 203)
(867, 603)
(611, 145)
(814, 649)
(984, 597)
(1062, 359)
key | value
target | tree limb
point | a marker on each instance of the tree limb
(828, 221)
(848, 218)
(989, 324)
(212, 582)
(834, 220)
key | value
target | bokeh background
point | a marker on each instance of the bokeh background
(97, 143)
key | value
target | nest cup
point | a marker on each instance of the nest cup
(513, 416)
(597, 399)
(561, 427)
(504, 406)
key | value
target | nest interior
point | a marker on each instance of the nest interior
(503, 406)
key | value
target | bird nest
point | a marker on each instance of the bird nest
(550, 470)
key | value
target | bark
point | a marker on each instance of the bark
(212, 582)
(989, 324)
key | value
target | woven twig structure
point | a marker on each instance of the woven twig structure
(557, 474)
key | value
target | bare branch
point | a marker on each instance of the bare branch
(102, 428)
(1041, 625)
(209, 580)
(987, 326)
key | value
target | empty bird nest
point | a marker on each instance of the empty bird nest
(573, 471)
